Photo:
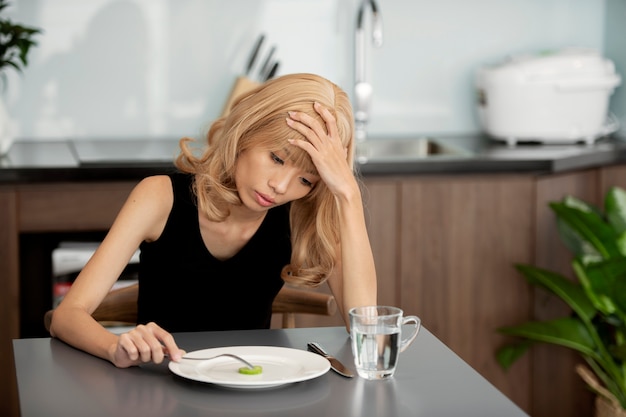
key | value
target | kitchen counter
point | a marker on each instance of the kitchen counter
(479, 154)
(104, 160)
(86, 160)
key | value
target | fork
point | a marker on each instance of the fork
(230, 355)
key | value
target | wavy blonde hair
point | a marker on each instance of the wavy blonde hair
(258, 119)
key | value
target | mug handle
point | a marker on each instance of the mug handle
(418, 325)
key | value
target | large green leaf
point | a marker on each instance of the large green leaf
(575, 242)
(569, 332)
(570, 292)
(605, 285)
(591, 228)
(577, 203)
(615, 208)
(621, 243)
(508, 354)
(570, 237)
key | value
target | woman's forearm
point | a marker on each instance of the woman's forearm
(77, 328)
(357, 260)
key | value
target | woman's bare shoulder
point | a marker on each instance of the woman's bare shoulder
(154, 188)
(149, 205)
(156, 183)
(153, 193)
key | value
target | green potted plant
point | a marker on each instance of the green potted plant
(596, 329)
(15, 43)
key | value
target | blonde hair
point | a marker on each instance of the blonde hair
(258, 118)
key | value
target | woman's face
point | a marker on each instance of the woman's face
(267, 179)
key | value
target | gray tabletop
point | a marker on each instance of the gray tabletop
(57, 380)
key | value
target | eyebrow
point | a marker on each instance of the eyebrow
(289, 156)
(287, 152)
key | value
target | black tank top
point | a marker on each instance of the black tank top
(182, 287)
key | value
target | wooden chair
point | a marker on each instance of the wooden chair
(119, 307)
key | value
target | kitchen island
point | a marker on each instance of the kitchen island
(446, 230)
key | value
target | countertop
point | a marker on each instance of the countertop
(116, 159)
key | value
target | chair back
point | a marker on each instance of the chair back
(119, 307)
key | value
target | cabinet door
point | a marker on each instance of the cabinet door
(71, 206)
(460, 239)
(613, 176)
(9, 299)
(557, 390)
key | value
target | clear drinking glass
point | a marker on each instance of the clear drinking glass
(376, 333)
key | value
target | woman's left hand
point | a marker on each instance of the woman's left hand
(324, 145)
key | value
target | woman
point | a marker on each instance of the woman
(272, 199)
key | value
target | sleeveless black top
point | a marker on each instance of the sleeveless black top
(183, 288)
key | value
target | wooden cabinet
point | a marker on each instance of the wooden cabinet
(9, 300)
(552, 366)
(460, 237)
(71, 206)
(611, 176)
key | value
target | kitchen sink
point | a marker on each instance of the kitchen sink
(401, 150)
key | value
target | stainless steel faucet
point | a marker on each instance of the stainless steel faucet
(363, 89)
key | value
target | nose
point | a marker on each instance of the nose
(281, 179)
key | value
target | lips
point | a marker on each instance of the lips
(264, 200)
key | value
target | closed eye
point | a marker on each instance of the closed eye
(277, 159)
(306, 182)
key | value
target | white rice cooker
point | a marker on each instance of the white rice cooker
(560, 97)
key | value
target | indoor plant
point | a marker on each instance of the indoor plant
(15, 43)
(596, 328)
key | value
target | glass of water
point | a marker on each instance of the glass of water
(376, 333)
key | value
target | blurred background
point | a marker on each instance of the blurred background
(162, 68)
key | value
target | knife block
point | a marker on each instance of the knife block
(242, 85)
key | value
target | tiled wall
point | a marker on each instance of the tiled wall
(163, 68)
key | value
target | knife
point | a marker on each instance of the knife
(270, 74)
(334, 362)
(255, 52)
(267, 64)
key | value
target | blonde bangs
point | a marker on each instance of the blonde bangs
(274, 136)
(301, 158)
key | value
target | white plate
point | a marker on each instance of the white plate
(280, 366)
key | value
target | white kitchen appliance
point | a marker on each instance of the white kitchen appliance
(558, 97)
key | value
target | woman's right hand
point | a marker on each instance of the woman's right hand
(143, 344)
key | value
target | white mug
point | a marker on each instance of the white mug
(376, 333)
